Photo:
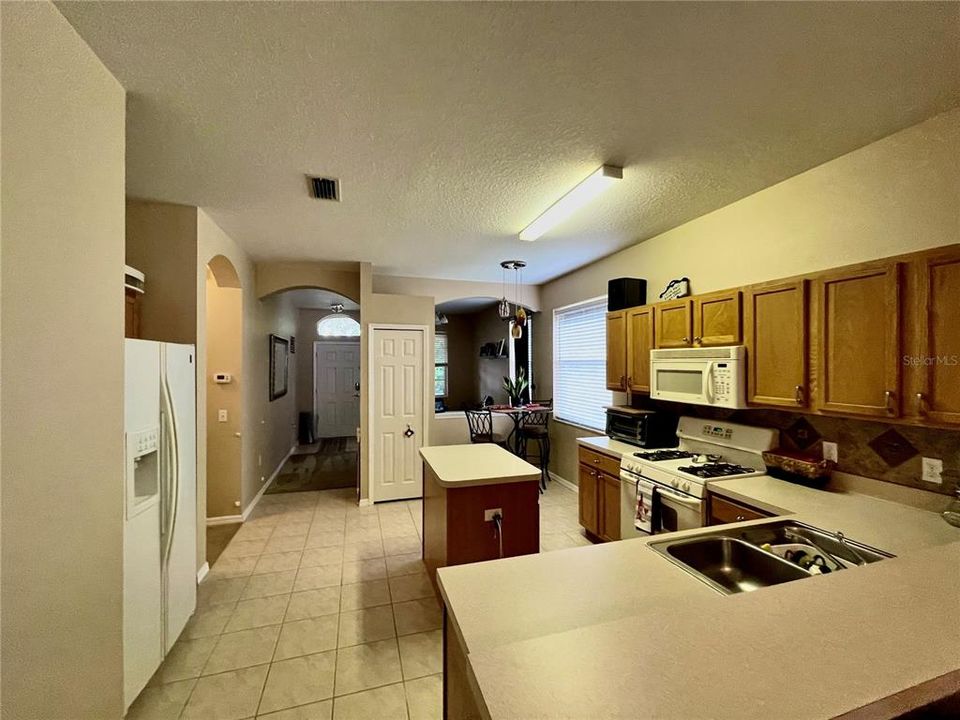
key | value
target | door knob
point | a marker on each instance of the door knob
(409, 432)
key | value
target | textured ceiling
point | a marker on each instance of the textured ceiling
(453, 125)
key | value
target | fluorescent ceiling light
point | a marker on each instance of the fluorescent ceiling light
(587, 190)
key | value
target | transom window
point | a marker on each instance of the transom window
(338, 326)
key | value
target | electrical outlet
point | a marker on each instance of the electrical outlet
(932, 470)
(221, 415)
(488, 514)
(830, 451)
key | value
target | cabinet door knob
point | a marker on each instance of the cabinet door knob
(798, 394)
(697, 340)
(740, 518)
(686, 340)
(921, 404)
(888, 400)
(596, 461)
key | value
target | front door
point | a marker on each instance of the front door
(398, 417)
(336, 400)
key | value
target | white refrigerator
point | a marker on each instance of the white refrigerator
(160, 523)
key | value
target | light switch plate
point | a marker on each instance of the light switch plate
(932, 470)
(221, 415)
(830, 451)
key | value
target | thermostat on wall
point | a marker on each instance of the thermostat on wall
(222, 378)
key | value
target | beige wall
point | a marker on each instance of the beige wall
(266, 428)
(273, 277)
(161, 241)
(443, 290)
(896, 195)
(62, 422)
(224, 353)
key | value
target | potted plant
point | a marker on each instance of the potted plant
(515, 388)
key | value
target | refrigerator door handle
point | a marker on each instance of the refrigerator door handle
(172, 476)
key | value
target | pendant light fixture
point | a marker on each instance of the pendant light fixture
(517, 318)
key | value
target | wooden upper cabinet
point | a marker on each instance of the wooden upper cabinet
(776, 336)
(858, 351)
(716, 319)
(617, 350)
(674, 323)
(640, 341)
(936, 358)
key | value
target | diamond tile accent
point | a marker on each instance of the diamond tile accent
(893, 448)
(802, 434)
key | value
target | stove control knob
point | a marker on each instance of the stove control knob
(686, 486)
(675, 482)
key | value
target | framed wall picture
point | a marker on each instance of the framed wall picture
(279, 366)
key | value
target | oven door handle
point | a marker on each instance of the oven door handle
(689, 501)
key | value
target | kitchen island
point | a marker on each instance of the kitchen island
(480, 502)
(618, 630)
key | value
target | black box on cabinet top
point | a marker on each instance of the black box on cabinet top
(626, 293)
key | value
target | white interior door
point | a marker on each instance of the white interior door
(398, 416)
(336, 400)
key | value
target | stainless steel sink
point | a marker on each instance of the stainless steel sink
(851, 553)
(732, 565)
(743, 559)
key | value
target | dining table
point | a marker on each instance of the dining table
(517, 413)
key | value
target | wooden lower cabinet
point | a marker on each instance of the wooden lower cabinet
(599, 495)
(721, 511)
(609, 492)
(589, 499)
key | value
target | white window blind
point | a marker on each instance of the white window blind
(580, 363)
(440, 365)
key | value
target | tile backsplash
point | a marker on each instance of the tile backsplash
(883, 451)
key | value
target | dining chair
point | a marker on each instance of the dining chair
(480, 424)
(535, 427)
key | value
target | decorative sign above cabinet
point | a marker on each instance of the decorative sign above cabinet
(676, 289)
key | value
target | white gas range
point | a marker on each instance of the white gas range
(663, 490)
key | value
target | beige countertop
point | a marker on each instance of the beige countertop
(477, 464)
(608, 446)
(616, 630)
(886, 525)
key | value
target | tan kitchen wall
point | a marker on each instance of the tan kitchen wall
(896, 195)
(224, 354)
(161, 241)
(62, 357)
(341, 277)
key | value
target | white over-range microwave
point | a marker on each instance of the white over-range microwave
(715, 376)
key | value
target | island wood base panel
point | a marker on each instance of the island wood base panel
(454, 531)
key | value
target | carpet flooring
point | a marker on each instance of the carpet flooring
(328, 464)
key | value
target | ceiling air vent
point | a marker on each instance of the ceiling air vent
(325, 188)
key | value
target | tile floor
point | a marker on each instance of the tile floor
(320, 609)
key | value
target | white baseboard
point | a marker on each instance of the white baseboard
(242, 517)
(273, 476)
(565, 483)
(364, 502)
(202, 572)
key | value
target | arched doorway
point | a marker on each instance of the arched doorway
(224, 391)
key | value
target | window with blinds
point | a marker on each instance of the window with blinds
(580, 363)
(440, 365)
